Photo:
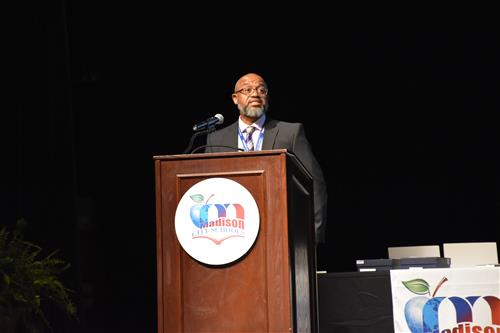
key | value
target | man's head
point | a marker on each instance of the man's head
(251, 98)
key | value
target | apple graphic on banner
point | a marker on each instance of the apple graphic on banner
(415, 307)
(196, 210)
(413, 313)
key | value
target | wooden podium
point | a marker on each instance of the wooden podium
(270, 289)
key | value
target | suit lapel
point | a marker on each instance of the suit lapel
(270, 133)
(231, 136)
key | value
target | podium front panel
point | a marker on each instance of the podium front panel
(251, 294)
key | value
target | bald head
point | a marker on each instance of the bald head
(250, 79)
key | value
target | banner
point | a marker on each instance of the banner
(444, 300)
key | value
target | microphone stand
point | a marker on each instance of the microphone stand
(195, 135)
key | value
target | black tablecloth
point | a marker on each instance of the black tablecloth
(355, 302)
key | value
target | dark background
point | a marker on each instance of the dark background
(398, 104)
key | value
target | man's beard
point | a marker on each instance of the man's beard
(252, 111)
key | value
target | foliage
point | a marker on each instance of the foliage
(29, 283)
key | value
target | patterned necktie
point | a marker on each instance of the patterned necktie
(248, 141)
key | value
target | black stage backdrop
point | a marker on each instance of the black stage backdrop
(398, 105)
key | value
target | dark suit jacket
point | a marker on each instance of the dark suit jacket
(282, 135)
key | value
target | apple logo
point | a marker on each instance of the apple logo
(199, 211)
(420, 307)
(413, 313)
(196, 215)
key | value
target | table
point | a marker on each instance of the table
(355, 302)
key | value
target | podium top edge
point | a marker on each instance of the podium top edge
(225, 154)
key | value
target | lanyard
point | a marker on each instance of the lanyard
(258, 146)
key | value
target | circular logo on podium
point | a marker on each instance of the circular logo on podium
(217, 221)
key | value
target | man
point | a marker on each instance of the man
(255, 131)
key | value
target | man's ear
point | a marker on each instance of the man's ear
(235, 98)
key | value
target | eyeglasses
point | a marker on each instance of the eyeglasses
(261, 90)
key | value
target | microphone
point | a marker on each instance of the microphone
(212, 121)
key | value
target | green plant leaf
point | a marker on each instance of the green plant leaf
(28, 280)
(6, 279)
(417, 286)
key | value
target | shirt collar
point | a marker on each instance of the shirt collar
(259, 124)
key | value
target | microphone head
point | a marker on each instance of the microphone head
(209, 123)
(220, 117)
